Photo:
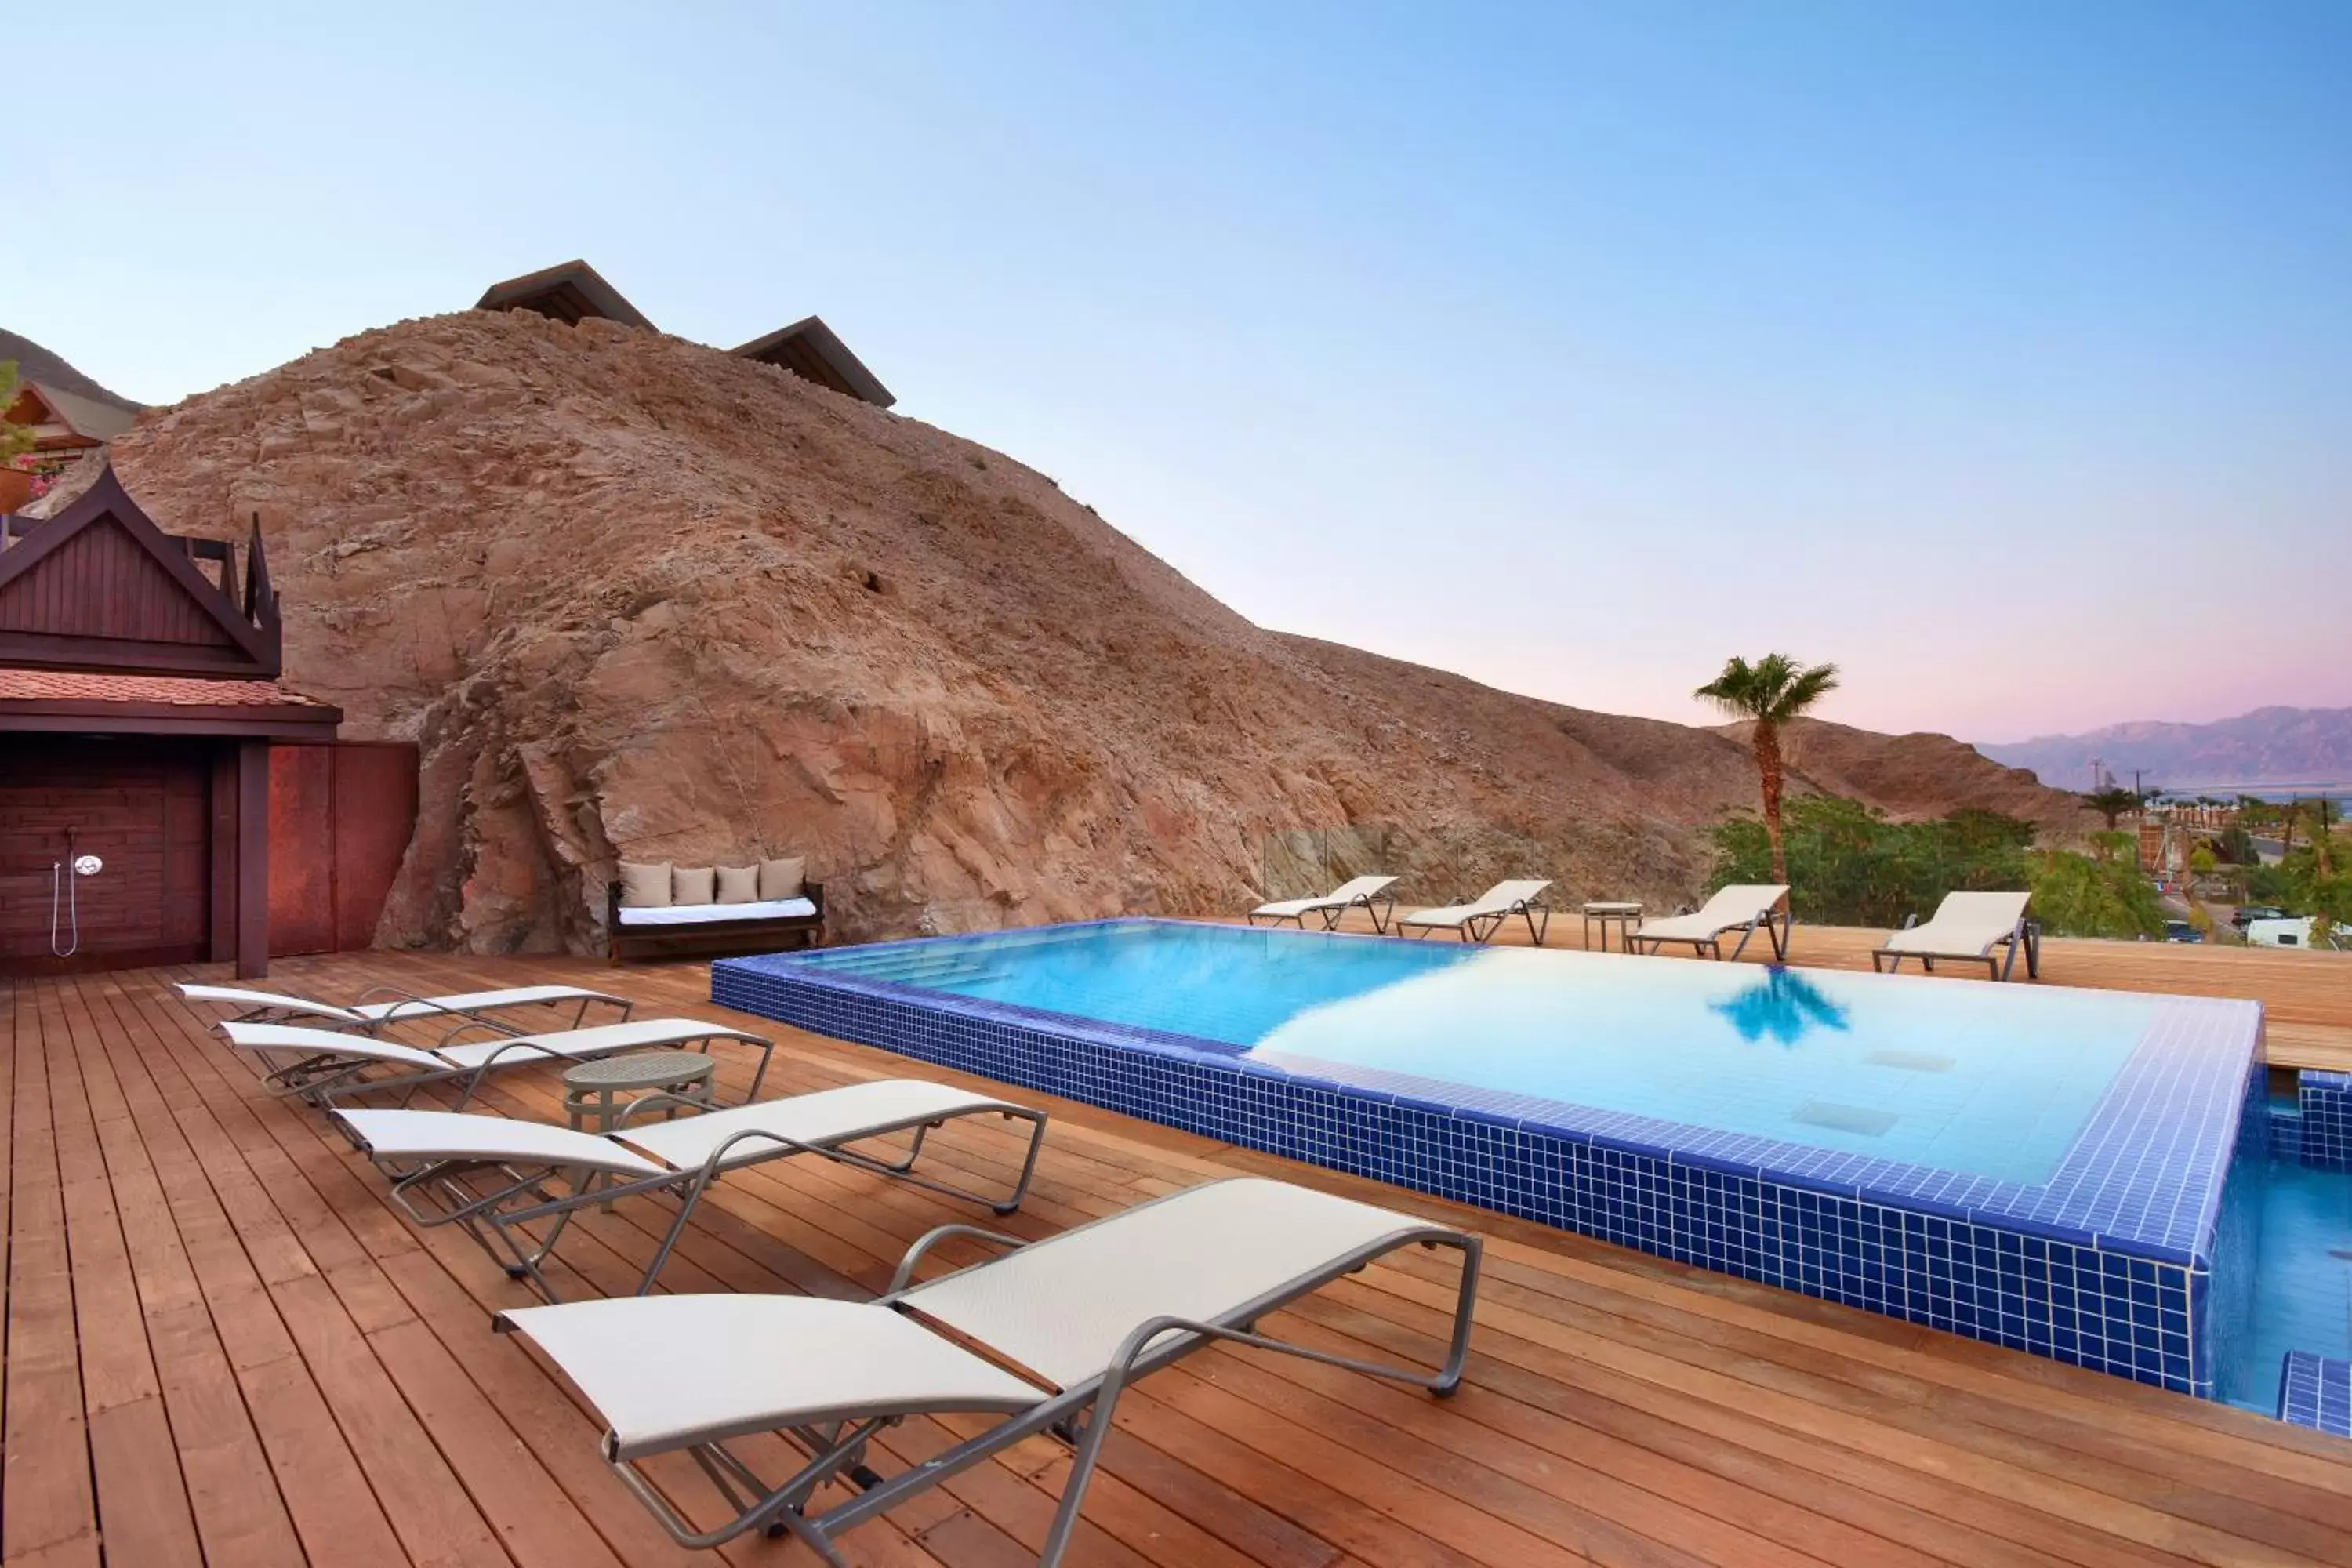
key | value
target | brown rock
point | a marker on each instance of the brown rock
(631, 595)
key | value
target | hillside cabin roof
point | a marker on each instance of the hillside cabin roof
(811, 350)
(62, 420)
(98, 587)
(570, 293)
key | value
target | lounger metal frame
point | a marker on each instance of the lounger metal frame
(317, 1078)
(1079, 1415)
(1467, 928)
(2027, 935)
(497, 1201)
(1381, 907)
(375, 1027)
(1778, 927)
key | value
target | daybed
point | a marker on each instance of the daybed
(659, 911)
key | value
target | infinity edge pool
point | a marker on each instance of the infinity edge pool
(2110, 1264)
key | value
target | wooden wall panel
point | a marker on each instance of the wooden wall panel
(301, 850)
(340, 819)
(142, 808)
(376, 817)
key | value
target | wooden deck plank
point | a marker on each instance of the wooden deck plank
(1619, 1408)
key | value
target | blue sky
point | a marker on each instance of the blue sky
(2001, 352)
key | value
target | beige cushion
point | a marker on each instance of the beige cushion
(739, 884)
(645, 886)
(693, 885)
(783, 878)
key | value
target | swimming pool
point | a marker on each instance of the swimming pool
(2034, 1165)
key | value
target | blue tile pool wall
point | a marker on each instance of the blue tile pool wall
(2317, 1392)
(2133, 1316)
(2323, 1106)
(2228, 1311)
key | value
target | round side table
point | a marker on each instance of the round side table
(595, 1090)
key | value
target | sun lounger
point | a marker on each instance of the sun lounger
(493, 1177)
(1479, 920)
(319, 1064)
(1745, 908)
(1080, 1315)
(1969, 926)
(371, 1017)
(1368, 893)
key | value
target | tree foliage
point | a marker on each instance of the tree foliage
(2112, 803)
(1768, 693)
(1849, 866)
(15, 440)
(2076, 896)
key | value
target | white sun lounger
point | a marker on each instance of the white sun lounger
(1479, 920)
(319, 1064)
(1368, 893)
(1743, 908)
(1080, 1315)
(491, 1175)
(370, 1017)
(1969, 926)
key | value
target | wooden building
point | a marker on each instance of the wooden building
(66, 427)
(811, 350)
(148, 756)
(574, 291)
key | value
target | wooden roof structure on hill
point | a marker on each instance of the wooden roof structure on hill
(574, 291)
(813, 351)
(570, 293)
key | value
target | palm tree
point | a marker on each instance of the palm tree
(2112, 803)
(1768, 694)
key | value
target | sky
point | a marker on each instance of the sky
(2000, 352)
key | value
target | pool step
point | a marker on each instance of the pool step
(2316, 1391)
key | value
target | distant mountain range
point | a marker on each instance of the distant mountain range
(2270, 747)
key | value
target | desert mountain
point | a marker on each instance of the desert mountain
(2270, 746)
(637, 598)
(35, 363)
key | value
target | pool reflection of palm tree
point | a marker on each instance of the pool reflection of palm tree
(1783, 1004)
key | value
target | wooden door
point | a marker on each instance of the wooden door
(142, 808)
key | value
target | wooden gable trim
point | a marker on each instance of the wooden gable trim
(250, 640)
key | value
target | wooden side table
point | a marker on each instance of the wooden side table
(1624, 915)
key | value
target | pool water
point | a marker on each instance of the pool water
(2301, 1266)
(1990, 1082)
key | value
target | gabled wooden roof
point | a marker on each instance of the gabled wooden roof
(813, 351)
(569, 293)
(99, 587)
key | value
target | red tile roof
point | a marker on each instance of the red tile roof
(179, 692)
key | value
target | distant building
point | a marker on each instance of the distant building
(574, 291)
(71, 416)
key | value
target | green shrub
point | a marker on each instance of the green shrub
(1849, 866)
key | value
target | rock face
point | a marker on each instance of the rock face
(638, 599)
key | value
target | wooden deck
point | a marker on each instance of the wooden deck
(2306, 996)
(225, 1348)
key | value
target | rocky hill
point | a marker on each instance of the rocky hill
(635, 598)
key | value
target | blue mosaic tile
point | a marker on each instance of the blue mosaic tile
(2109, 1265)
(2324, 1112)
(2316, 1391)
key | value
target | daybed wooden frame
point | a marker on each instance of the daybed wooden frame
(713, 938)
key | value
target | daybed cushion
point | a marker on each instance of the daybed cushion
(739, 884)
(784, 879)
(693, 885)
(699, 914)
(645, 886)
